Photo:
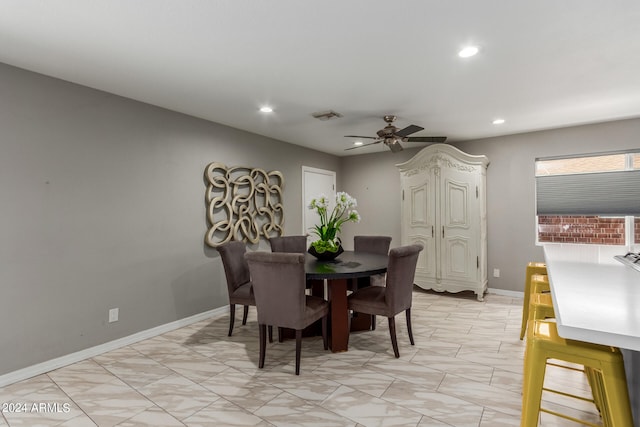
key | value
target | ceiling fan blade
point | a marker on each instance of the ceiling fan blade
(363, 145)
(359, 136)
(425, 139)
(409, 130)
(395, 146)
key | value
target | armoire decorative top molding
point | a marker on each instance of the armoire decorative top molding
(443, 155)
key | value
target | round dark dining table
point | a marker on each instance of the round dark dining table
(349, 265)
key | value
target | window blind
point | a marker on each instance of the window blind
(606, 193)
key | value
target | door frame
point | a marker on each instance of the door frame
(311, 170)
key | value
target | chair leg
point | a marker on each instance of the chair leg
(533, 381)
(245, 314)
(270, 333)
(392, 332)
(262, 332)
(617, 397)
(232, 317)
(525, 311)
(408, 313)
(280, 334)
(325, 341)
(373, 322)
(298, 348)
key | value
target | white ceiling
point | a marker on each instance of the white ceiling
(542, 64)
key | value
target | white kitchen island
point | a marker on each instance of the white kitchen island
(597, 299)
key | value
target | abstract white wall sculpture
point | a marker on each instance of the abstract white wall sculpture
(242, 204)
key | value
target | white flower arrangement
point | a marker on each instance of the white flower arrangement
(329, 226)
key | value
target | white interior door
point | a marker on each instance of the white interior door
(314, 183)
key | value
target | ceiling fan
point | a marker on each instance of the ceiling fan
(392, 136)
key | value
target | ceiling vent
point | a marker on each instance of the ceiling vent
(326, 115)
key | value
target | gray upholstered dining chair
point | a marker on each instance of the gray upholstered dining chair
(291, 244)
(396, 296)
(279, 288)
(376, 245)
(238, 277)
(296, 244)
(373, 244)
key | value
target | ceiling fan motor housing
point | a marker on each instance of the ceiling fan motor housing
(387, 131)
(392, 136)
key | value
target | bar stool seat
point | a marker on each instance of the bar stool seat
(606, 364)
(532, 268)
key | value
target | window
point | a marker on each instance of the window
(591, 199)
(581, 229)
(608, 163)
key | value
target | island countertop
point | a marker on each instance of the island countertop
(595, 300)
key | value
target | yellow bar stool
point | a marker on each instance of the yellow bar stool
(532, 268)
(605, 362)
(541, 308)
(541, 305)
(540, 284)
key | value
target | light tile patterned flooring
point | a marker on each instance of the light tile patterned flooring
(465, 370)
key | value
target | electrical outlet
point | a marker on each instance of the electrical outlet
(113, 315)
(496, 272)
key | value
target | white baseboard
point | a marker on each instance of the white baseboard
(506, 293)
(59, 362)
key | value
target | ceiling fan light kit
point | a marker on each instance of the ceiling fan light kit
(392, 136)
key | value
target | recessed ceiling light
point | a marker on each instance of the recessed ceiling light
(266, 109)
(358, 143)
(468, 51)
(498, 121)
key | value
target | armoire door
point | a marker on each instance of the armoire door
(419, 222)
(458, 226)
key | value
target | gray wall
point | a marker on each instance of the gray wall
(102, 206)
(374, 181)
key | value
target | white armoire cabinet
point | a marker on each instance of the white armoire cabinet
(444, 209)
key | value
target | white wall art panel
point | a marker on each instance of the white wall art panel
(242, 204)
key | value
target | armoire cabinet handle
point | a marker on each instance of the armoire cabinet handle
(443, 231)
(432, 231)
